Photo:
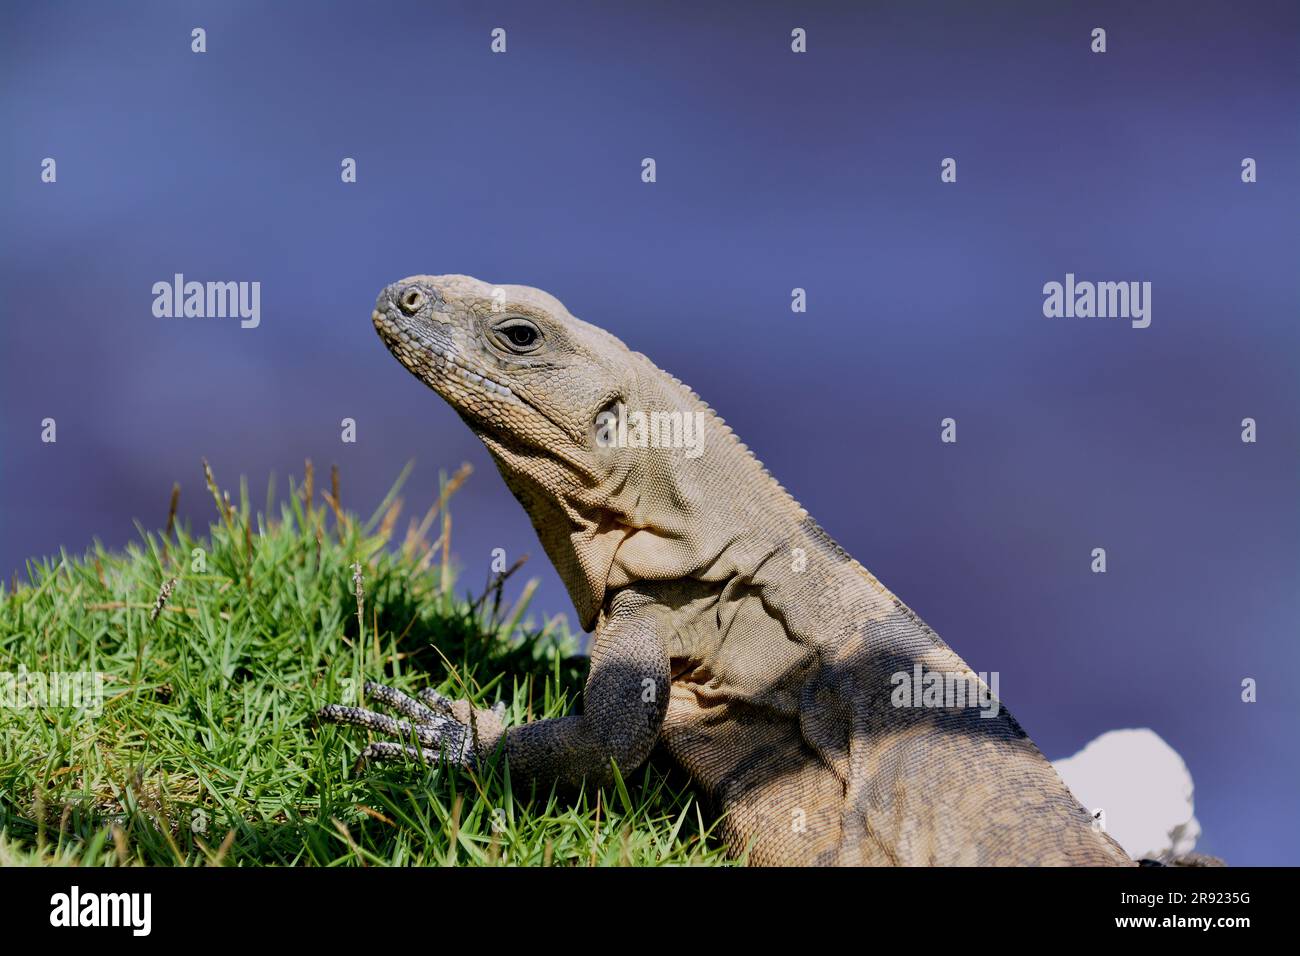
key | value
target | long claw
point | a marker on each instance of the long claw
(386, 750)
(408, 706)
(433, 736)
(380, 723)
(430, 730)
(435, 700)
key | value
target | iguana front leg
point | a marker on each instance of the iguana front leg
(624, 703)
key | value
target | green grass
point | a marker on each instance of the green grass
(204, 751)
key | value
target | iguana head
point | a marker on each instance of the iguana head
(532, 382)
(514, 363)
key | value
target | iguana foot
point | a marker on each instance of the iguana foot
(436, 726)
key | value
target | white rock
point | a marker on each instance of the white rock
(1143, 788)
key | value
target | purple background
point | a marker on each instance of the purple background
(775, 171)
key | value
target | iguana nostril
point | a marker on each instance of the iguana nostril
(410, 301)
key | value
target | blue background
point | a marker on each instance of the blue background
(774, 171)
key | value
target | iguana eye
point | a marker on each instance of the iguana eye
(518, 335)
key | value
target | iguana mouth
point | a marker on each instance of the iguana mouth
(423, 358)
(438, 367)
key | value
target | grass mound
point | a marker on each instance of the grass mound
(156, 705)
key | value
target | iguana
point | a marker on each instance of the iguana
(729, 627)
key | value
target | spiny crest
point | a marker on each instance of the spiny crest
(727, 430)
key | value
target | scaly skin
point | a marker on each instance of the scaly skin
(728, 626)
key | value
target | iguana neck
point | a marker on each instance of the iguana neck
(659, 513)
